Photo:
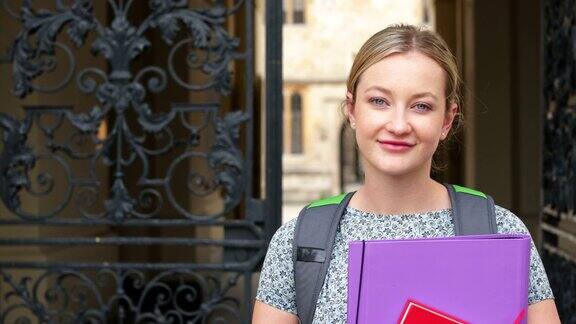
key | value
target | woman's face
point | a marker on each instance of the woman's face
(400, 113)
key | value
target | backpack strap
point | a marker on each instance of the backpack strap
(473, 211)
(313, 242)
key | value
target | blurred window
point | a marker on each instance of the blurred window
(298, 12)
(296, 123)
(293, 11)
(426, 12)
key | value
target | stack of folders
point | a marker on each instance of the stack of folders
(466, 279)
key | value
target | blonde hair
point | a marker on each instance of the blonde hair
(403, 39)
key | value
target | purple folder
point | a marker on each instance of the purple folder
(470, 279)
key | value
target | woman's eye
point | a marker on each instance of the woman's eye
(422, 107)
(378, 101)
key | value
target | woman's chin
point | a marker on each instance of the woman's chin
(395, 170)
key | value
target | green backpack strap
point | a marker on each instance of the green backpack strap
(313, 242)
(473, 211)
(317, 223)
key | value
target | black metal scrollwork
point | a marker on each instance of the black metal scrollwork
(16, 160)
(226, 158)
(119, 90)
(29, 61)
(69, 296)
(122, 131)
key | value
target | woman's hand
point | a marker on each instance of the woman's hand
(264, 314)
(543, 312)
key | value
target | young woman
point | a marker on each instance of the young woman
(402, 101)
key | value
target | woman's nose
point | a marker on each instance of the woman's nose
(398, 123)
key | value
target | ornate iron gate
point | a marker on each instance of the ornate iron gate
(139, 207)
(559, 152)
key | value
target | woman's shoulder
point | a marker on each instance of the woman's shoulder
(285, 233)
(507, 222)
(287, 229)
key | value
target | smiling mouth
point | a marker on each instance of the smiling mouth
(395, 146)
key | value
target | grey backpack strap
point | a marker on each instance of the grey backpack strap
(314, 237)
(473, 211)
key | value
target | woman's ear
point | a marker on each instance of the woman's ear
(451, 113)
(350, 108)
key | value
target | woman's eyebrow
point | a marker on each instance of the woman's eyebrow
(425, 94)
(388, 92)
(378, 88)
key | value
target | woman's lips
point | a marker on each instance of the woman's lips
(395, 146)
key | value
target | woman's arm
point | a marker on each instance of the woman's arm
(543, 312)
(264, 314)
(542, 308)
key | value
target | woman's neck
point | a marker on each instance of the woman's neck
(400, 195)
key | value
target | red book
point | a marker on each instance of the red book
(418, 313)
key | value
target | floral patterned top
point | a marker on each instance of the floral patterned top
(276, 286)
